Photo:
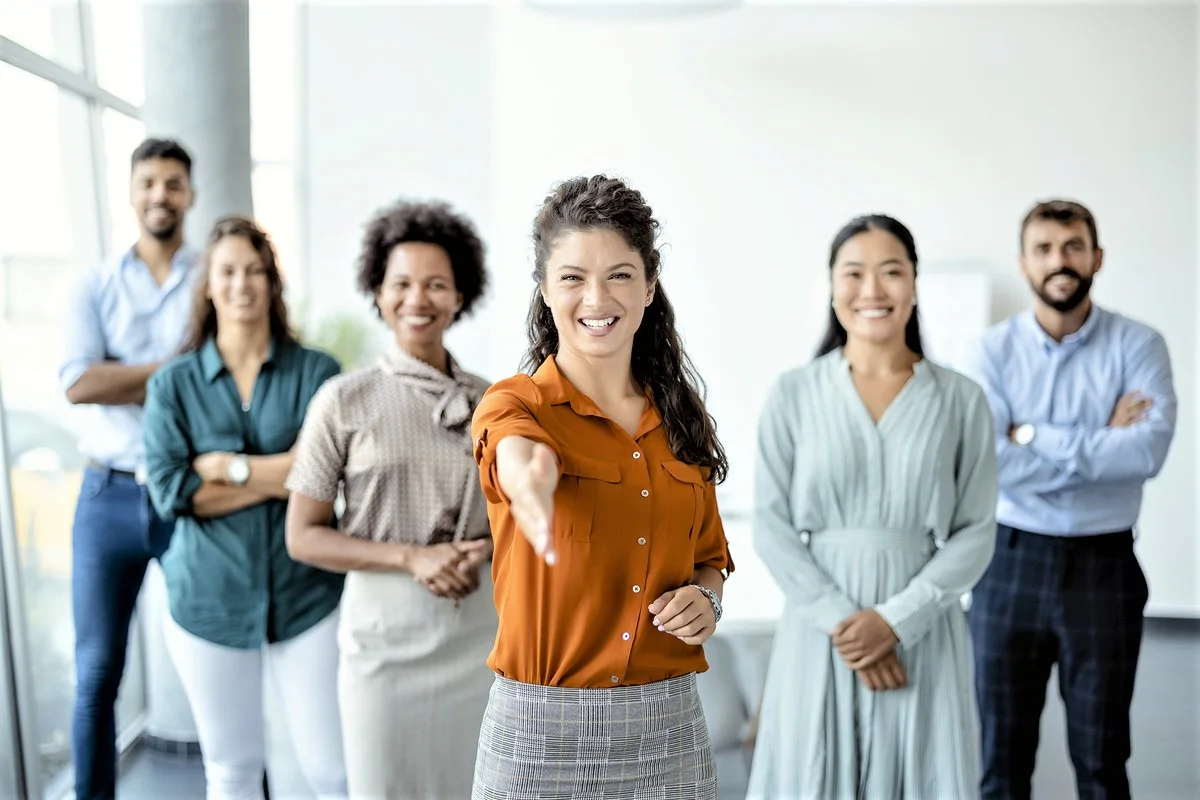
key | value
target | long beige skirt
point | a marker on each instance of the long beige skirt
(413, 686)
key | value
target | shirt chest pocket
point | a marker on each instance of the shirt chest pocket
(278, 437)
(685, 498)
(585, 484)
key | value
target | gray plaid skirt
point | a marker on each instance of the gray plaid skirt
(627, 743)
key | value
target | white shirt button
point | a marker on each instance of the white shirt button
(615, 679)
(637, 455)
(645, 492)
(642, 541)
(625, 636)
(637, 589)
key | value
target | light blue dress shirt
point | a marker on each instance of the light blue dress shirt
(1078, 476)
(118, 312)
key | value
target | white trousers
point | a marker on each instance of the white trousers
(224, 687)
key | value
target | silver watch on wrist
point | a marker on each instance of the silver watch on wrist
(237, 471)
(713, 599)
(1023, 435)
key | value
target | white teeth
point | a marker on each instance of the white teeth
(874, 313)
(599, 323)
(418, 320)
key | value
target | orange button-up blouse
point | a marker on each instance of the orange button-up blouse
(630, 523)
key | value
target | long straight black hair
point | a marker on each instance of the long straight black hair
(835, 334)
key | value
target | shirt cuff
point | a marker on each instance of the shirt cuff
(907, 615)
(828, 612)
(1050, 441)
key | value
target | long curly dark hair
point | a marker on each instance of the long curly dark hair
(660, 366)
(835, 335)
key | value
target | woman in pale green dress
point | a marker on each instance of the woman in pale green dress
(875, 498)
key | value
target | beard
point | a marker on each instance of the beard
(164, 231)
(1069, 303)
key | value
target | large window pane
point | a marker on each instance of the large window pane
(117, 44)
(44, 240)
(49, 28)
(121, 135)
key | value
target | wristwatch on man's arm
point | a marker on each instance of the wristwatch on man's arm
(1023, 434)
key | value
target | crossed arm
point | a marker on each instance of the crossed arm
(1132, 446)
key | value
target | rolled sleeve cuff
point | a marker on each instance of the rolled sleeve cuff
(485, 452)
(180, 503)
(72, 371)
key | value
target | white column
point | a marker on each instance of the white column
(197, 77)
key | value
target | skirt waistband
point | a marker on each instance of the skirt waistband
(617, 695)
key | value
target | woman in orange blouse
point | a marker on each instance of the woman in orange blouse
(599, 470)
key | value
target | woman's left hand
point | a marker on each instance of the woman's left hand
(863, 638)
(686, 614)
(212, 467)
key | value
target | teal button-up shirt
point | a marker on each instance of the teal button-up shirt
(230, 579)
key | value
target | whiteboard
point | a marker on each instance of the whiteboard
(955, 307)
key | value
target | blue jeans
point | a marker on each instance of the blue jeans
(115, 535)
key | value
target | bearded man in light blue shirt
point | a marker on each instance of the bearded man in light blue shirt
(127, 316)
(1085, 410)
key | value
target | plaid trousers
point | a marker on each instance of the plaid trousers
(1077, 601)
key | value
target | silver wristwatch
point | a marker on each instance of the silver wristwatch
(237, 472)
(713, 599)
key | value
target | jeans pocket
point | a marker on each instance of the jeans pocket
(94, 482)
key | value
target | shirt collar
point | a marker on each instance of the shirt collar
(455, 393)
(182, 263)
(1078, 338)
(399, 361)
(212, 365)
(557, 390)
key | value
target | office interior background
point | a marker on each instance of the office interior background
(755, 129)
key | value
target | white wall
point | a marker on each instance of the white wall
(755, 134)
(395, 101)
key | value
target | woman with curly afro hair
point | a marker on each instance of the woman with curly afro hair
(418, 619)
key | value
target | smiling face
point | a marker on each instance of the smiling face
(597, 291)
(874, 287)
(418, 298)
(238, 282)
(161, 194)
(1059, 260)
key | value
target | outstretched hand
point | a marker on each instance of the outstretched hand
(532, 500)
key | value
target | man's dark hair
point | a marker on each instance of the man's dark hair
(1064, 212)
(161, 148)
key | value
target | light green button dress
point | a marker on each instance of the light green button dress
(897, 516)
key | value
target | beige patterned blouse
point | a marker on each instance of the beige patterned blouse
(396, 438)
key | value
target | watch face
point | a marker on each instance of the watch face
(239, 470)
(1024, 434)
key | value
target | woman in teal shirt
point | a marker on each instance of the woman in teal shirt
(219, 425)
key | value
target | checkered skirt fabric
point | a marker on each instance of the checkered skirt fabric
(627, 743)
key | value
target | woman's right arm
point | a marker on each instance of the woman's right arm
(175, 489)
(311, 540)
(319, 460)
(788, 558)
